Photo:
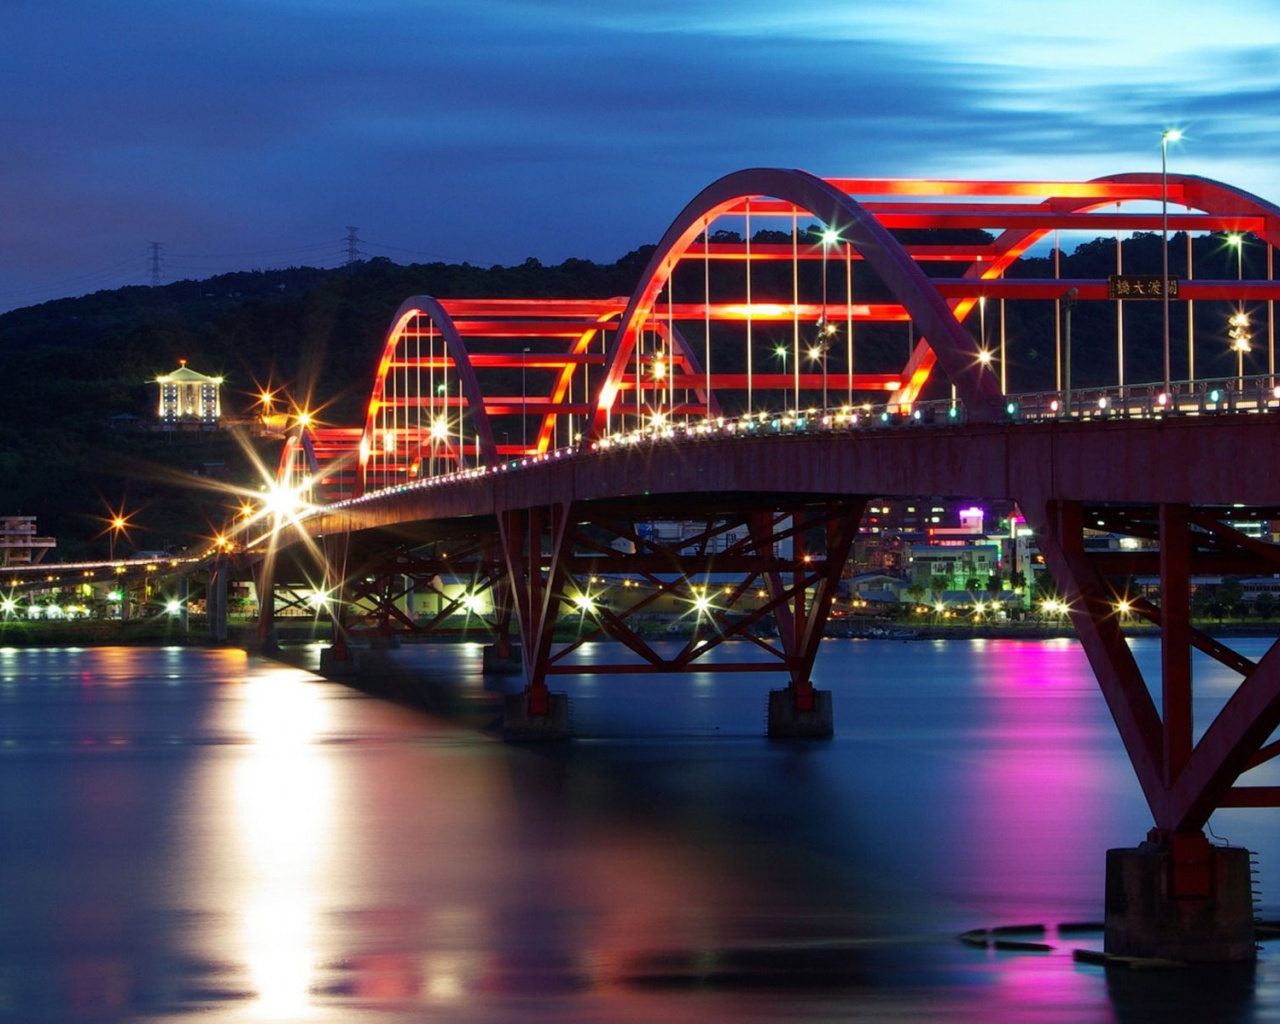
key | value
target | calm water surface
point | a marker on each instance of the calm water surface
(201, 834)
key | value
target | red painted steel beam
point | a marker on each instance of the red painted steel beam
(763, 311)
(772, 252)
(461, 309)
(1175, 638)
(1103, 189)
(1025, 218)
(1250, 716)
(1054, 288)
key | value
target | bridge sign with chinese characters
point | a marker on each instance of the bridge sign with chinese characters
(1139, 286)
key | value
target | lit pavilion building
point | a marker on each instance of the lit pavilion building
(189, 399)
(19, 544)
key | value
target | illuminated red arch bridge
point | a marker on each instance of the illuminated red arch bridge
(796, 348)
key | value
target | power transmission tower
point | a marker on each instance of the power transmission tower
(353, 246)
(157, 265)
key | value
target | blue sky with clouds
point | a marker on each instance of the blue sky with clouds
(246, 134)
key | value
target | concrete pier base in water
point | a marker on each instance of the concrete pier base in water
(1180, 900)
(785, 722)
(520, 726)
(496, 665)
(333, 665)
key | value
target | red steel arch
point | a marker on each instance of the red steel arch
(444, 404)
(525, 375)
(374, 437)
(1234, 210)
(854, 225)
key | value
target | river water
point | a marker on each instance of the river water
(200, 834)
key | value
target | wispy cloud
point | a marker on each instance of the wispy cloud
(498, 129)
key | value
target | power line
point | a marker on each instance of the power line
(157, 274)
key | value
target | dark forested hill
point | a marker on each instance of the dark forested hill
(76, 381)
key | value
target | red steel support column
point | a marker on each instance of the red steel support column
(841, 528)
(1175, 639)
(536, 597)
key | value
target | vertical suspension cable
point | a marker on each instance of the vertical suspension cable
(432, 412)
(795, 304)
(639, 376)
(706, 317)
(848, 313)
(1119, 313)
(417, 391)
(750, 383)
(671, 343)
(1057, 310)
(1191, 317)
(444, 395)
(1271, 320)
(824, 332)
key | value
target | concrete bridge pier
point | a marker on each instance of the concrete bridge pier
(800, 713)
(1179, 898)
(536, 715)
(339, 659)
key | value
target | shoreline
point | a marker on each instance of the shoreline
(166, 632)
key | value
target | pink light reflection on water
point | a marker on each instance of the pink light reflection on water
(1051, 788)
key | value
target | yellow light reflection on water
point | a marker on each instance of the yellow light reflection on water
(283, 805)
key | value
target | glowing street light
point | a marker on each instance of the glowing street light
(439, 433)
(1240, 338)
(1236, 241)
(1169, 135)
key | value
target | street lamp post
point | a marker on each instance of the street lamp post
(1236, 241)
(1240, 338)
(1068, 300)
(1170, 135)
(117, 524)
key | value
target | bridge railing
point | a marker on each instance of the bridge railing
(1219, 396)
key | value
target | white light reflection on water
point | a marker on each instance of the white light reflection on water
(283, 814)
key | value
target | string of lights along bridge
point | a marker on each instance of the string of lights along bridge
(796, 348)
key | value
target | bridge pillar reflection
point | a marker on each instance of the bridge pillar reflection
(338, 657)
(264, 582)
(1175, 895)
(216, 599)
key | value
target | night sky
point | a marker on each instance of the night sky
(249, 134)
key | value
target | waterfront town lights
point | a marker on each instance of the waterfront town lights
(1170, 135)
